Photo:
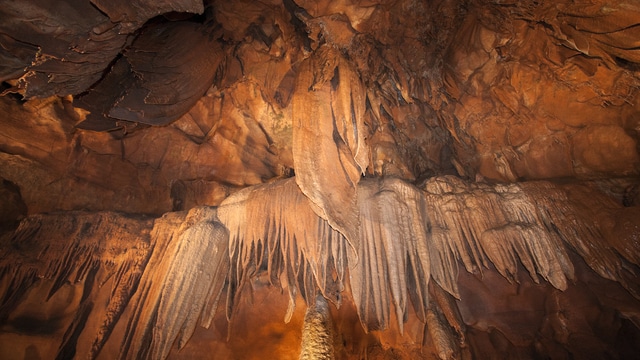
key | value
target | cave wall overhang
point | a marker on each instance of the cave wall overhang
(152, 107)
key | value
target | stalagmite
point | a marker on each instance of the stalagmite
(188, 259)
(318, 332)
(392, 178)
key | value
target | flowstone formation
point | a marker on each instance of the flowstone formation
(430, 179)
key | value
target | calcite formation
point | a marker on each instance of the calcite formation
(440, 178)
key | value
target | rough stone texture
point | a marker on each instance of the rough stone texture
(12, 207)
(103, 284)
(162, 107)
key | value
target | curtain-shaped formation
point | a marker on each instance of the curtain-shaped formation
(272, 227)
(533, 224)
(609, 257)
(479, 224)
(190, 263)
(407, 236)
(393, 257)
(329, 151)
(74, 248)
(167, 275)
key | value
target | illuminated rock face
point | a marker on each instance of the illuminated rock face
(456, 178)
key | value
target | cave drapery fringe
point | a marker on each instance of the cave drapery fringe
(182, 263)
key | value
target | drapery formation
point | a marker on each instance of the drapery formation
(169, 277)
(504, 91)
(320, 134)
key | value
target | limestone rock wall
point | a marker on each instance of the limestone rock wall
(511, 279)
(426, 165)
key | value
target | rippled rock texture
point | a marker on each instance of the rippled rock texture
(456, 178)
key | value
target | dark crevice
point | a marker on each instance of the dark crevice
(301, 28)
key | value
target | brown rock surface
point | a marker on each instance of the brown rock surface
(353, 149)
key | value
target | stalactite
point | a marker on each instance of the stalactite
(169, 273)
(533, 224)
(393, 241)
(275, 222)
(189, 262)
(71, 248)
(329, 90)
(393, 258)
(173, 276)
(334, 92)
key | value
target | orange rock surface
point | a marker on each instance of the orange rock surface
(181, 179)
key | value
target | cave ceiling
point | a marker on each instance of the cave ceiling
(395, 157)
